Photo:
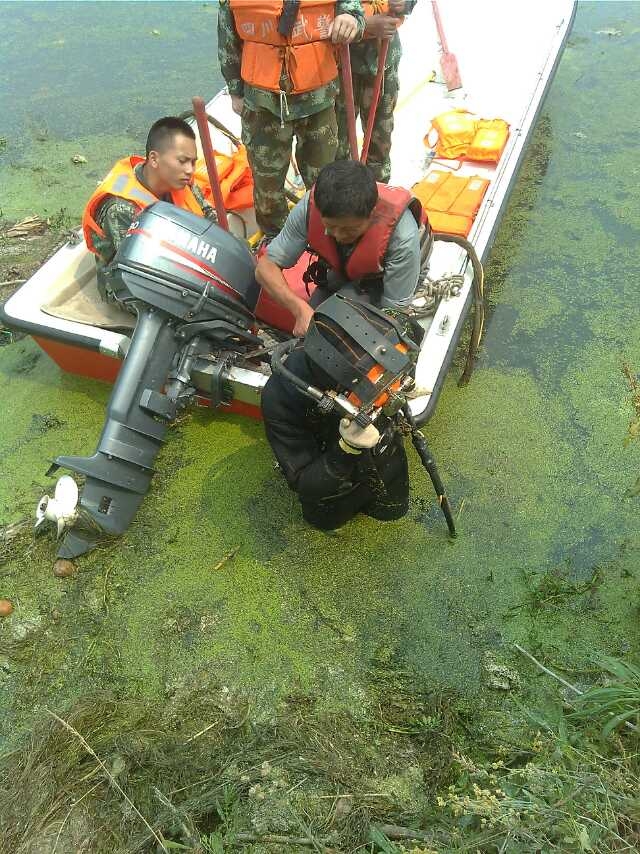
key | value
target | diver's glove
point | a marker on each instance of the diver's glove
(355, 439)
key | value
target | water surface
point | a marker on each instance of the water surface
(532, 450)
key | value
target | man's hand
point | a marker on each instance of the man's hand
(302, 315)
(396, 7)
(380, 26)
(343, 28)
(359, 438)
(237, 103)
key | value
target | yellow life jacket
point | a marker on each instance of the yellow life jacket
(236, 180)
(450, 201)
(460, 135)
(489, 140)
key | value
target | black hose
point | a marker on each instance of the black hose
(428, 461)
(187, 114)
(277, 366)
(478, 300)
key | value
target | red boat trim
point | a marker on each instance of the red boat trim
(223, 287)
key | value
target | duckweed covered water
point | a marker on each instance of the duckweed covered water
(532, 450)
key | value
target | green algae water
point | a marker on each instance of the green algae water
(89, 78)
(532, 451)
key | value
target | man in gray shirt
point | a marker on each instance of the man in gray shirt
(366, 237)
(367, 241)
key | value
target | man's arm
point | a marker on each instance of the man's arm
(230, 53)
(402, 263)
(284, 252)
(115, 218)
(402, 7)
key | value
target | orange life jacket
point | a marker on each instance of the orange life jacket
(123, 183)
(451, 202)
(463, 136)
(375, 7)
(306, 55)
(236, 180)
(367, 258)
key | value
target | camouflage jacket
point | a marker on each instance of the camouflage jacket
(364, 55)
(297, 106)
(114, 217)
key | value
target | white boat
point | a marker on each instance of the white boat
(507, 54)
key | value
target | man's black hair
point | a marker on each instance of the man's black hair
(346, 188)
(163, 132)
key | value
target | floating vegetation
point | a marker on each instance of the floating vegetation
(29, 226)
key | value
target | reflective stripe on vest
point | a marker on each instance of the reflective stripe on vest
(367, 258)
(306, 55)
(451, 202)
(123, 183)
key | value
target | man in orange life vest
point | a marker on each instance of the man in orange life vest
(367, 240)
(278, 60)
(135, 183)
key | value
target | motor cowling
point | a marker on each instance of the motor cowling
(186, 266)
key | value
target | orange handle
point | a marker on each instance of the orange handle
(377, 87)
(347, 94)
(200, 112)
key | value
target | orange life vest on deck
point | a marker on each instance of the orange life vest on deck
(236, 180)
(306, 55)
(367, 258)
(123, 183)
(451, 201)
(462, 136)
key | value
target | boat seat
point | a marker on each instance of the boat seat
(79, 300)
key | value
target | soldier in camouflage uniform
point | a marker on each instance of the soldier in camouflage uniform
(364, 65)
(270, 120)
(114, 214)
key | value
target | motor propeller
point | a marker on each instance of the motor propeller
(61, 510)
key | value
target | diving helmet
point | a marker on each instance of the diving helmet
(360, 351)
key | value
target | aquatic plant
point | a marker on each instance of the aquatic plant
(617, 702)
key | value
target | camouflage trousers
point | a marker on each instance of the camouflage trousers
(269, 151)
(380, 148)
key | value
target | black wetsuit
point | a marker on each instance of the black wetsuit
(333, 486)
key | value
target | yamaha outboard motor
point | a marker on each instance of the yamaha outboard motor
(193, 287)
